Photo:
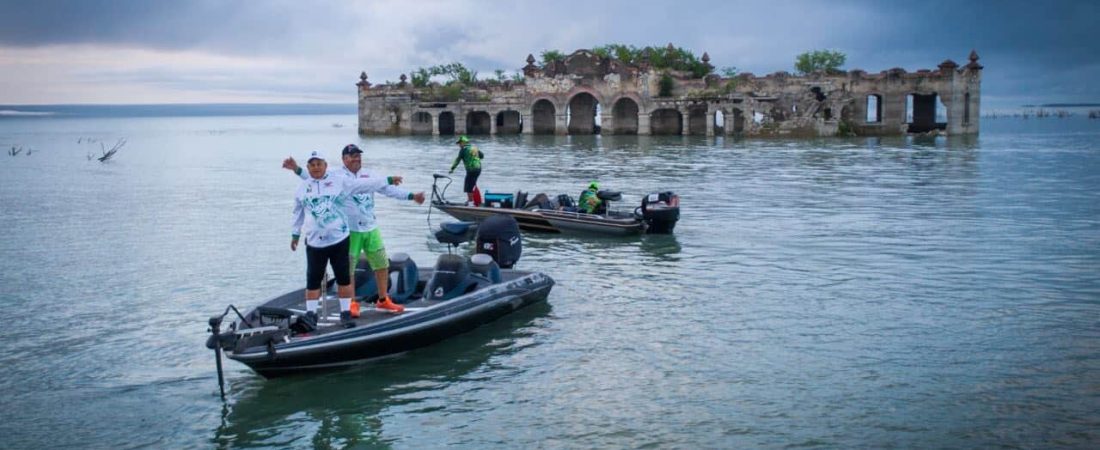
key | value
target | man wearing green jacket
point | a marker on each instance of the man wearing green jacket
(589, 202)
(470, 157)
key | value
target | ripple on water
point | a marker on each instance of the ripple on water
(874, 292)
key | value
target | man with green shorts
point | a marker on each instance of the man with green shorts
(365, 236)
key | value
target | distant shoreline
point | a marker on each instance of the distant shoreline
(1063, 105)
(174, 110)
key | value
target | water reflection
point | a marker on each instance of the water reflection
(663, 247)
(347, 407)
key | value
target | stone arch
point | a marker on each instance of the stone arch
(624, 115)
(509, 122)
(666, 121)
(422, 123)
(478, 122)
(582, 113)
(446, 122)
(543, 117)
(697, 119)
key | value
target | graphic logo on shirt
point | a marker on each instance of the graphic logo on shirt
(328, 184)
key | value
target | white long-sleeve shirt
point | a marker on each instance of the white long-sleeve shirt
(321, 205)
(360, 210)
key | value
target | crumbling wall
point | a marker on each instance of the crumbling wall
(565, 97)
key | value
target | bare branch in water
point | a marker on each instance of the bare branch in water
(110, 153)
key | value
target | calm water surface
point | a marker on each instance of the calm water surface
(862, 293)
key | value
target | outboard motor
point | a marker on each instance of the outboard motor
(660, 211)
(498, 236)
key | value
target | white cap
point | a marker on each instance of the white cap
(316, 154)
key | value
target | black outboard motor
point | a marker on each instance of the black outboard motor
(498, 237)
(660, 211)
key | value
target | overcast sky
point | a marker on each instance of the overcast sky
(148, 51)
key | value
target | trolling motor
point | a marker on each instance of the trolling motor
(439, 196)
(218, 340)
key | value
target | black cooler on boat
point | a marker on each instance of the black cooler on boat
(498, 237)
(660, 211)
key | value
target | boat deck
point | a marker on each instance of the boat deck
(329, 314)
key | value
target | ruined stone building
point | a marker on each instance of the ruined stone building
(587, 94)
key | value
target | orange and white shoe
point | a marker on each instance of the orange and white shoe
(386, 304)
(354, 309)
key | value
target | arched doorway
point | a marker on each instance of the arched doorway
(719, 122)
(422, 123)
(582, 114)
(666, 121)
(625, 113)
(509, 122)
(478, 122)
(542, 114)
(446, 122)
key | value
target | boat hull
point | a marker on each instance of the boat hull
(550, 221)
(417, 327)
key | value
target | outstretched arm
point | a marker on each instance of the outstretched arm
(458, 159)
(354, 186)
(290, 164)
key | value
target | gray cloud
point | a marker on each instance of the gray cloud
(1028, 49)
(225, 26)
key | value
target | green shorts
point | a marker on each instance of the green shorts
(369, 242)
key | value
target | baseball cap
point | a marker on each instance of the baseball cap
(462, 140)
(351, 149)
(316, 154)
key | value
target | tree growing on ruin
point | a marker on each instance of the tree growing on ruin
(551, 56)
(660, 58)
(455, 72)
(420, 77)
(819, 60)
(665, 85)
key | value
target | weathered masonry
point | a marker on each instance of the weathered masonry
(587, 94)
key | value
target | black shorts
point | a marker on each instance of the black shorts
(471, 180)
(318, 258)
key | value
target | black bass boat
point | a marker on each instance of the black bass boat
(456, 296)
(657, 214)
